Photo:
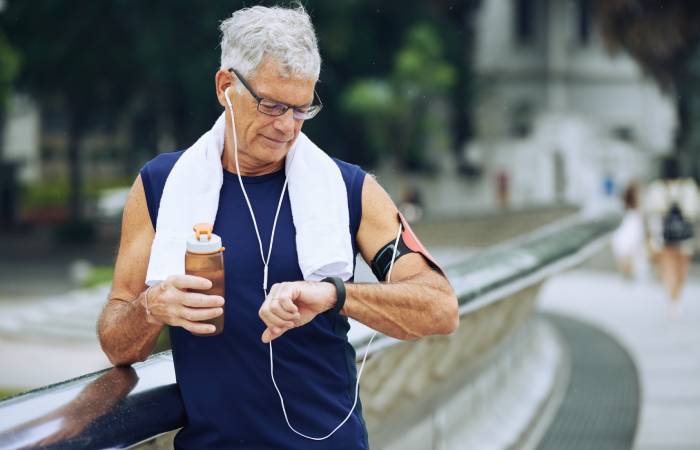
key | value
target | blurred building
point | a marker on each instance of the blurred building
(558, 119)
(21, 138)
(36, 138)
(558, 116)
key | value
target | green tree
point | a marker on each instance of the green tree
(101, 62)
(76, 57)
(396, 111)
(9, 66)
(663, 37)
(151, 65)
(359, 41)
(460, 35)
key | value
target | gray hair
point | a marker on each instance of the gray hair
(284, 34)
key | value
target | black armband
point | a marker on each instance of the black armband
(382, 260)
(408, 243)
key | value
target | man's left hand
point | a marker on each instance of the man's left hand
(293, 304)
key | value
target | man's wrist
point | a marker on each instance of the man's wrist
(344, 309)
(340, 293)
(144, 302)
(138, 301)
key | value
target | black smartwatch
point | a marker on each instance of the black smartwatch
(340, 293)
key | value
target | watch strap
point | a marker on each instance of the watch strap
(340, 293)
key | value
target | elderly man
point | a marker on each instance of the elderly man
(269, 67)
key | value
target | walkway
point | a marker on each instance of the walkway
(666, 350)
(50, 340)
(601, 405)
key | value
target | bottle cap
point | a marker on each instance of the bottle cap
(203, 240)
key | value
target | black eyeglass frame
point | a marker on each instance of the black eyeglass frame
(307, 114)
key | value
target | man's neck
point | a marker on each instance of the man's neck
(249, 168)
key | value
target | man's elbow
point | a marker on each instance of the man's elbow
(122, 359)
(448, 320)
(119, 357)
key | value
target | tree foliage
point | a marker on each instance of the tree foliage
(395, 111)
(664, 38)
(660, 35)
(9, 66)
(151, 65)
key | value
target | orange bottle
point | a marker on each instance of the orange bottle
(205, 258)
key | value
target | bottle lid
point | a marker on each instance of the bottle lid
(203, 240)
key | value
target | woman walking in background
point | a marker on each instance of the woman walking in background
(628, 241)
(672, 205)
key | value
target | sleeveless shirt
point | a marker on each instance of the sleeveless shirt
(224, 380)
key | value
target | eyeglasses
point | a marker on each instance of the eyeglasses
(273, 108)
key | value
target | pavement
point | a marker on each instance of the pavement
(47, 323)
(664, 348)
(52, 339)
(33, 266)
(600, 408)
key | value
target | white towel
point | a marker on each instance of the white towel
(317, 195)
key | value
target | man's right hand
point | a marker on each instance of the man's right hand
(171, 304)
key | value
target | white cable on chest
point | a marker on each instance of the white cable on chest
(266, 263)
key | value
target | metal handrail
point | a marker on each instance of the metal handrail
(490, 275)
(119, 407)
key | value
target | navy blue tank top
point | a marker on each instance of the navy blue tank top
(224, 380)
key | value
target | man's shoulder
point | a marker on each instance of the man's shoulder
(161, 165)
(344, 165)
(351, 172)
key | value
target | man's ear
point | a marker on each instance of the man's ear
(222, 80)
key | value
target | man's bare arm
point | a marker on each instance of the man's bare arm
(410, 308)
(417, 301)
(127, 334)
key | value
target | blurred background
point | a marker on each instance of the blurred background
(483, 119)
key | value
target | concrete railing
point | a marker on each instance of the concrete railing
(494, 383)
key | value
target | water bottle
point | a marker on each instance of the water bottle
(205, 258)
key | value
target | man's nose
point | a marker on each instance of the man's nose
(286, 122)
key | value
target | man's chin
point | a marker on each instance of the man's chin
(274, 145)
(271, 154)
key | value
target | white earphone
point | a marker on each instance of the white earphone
(228, 99)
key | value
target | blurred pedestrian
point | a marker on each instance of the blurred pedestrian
(628, 241)
(411, 205)
(502, 186)
(672, 205)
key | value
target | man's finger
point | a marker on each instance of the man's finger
(278, 310)
(272, 320)
(195, 327)
(267, 336)
(198, 300)
(199, 314)
(273, 291)
(272, 333)
(189, 282)
(289, 306)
